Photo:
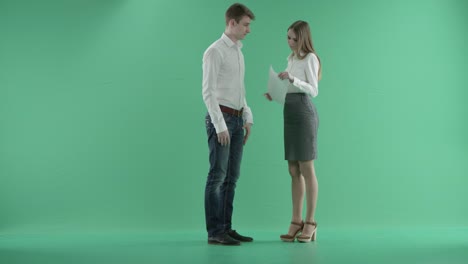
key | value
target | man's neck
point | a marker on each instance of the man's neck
(230, 36)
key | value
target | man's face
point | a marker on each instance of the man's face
(241, 29)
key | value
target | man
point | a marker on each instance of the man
(228, 116)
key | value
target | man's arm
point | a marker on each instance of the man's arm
(248, 120)
(211, 64)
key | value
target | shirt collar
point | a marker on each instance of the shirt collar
(229, 42)
(292, 56)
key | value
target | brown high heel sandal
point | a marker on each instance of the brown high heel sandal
(290, 238)
(303, 238)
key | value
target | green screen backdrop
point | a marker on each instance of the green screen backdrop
(102, 118)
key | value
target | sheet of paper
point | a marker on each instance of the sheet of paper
(277, 88)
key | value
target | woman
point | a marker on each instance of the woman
(300, 129)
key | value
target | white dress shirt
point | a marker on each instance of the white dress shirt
(305, 74)
(223, 81)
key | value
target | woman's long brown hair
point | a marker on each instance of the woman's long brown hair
(304, 41)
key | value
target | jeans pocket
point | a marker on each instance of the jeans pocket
(208, 122)
(227, 118)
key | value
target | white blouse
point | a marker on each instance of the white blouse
(305, 74)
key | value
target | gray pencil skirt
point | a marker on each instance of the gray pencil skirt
(300, 127)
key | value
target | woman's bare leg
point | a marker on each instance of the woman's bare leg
(311, 185)
(297, 191)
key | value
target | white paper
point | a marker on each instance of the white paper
(277, 88)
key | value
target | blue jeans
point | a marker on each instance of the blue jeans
(223, 174)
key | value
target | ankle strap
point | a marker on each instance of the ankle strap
(311, 223)
(298, 224)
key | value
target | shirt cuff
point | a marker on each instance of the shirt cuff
(220, 127)
(296, 81)
(248, 118)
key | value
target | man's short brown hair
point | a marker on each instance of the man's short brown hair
(237, 11)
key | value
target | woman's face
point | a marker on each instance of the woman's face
(292, 40)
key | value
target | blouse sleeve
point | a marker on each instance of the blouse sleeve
(310, 85)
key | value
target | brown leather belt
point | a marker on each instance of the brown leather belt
(231, 111)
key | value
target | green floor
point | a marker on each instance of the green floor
(413, 246)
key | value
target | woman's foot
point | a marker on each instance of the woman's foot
(309, 232)
(294, 230)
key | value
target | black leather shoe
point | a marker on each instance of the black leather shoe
(236, 236)
(223, 239)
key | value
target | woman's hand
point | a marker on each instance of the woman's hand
(285, 75)
(268, 96)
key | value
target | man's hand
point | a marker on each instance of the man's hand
(247, 131)
(223, 138)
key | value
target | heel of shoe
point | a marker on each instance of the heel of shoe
(314, 235)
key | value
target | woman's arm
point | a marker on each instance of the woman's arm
(310, 85)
